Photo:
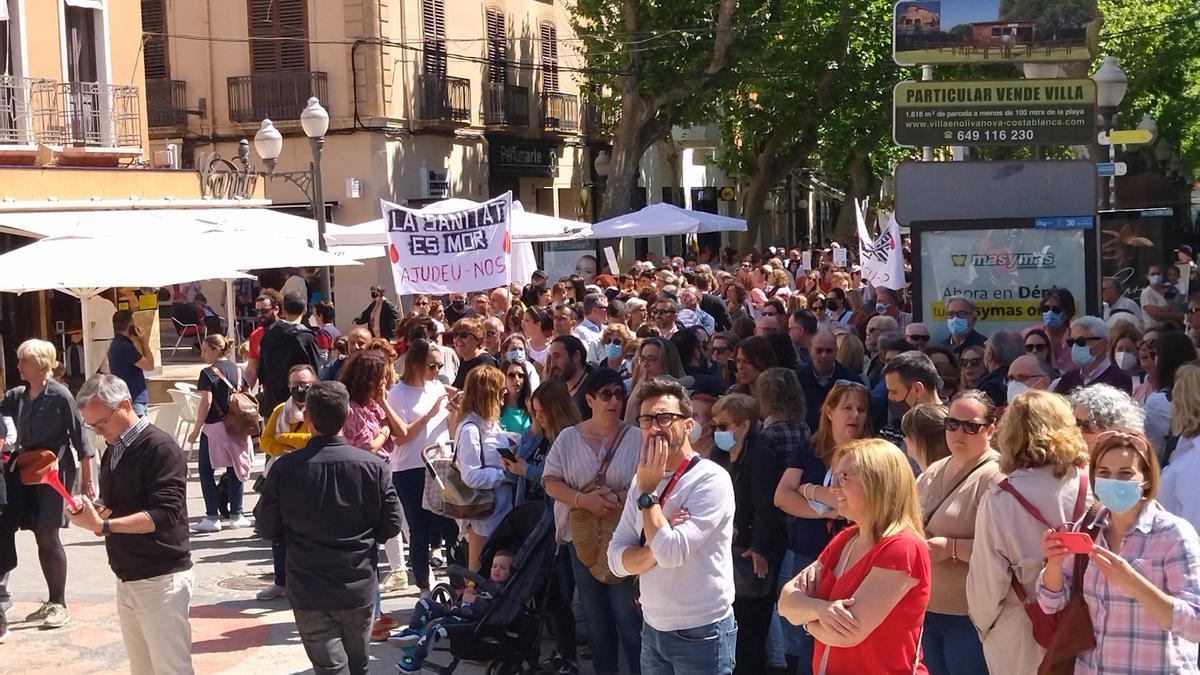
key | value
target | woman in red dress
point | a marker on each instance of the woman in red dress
(864, 598)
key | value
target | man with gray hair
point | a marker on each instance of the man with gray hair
(142, 515)
(595, 318)
(960, 321)
(1089, 352)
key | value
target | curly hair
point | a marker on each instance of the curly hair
(1110, 408)
(363, 374)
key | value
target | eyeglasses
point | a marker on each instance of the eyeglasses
(610, 394)
(918, 338)
(1082, 342)
(721, 350)
(1087, 426)
(614, 341)
(421, 303)
(1053, 309)
(1032, 347)
(435, 365)
(850, 383)
(967, 427)
(962, 314)
(492, 333)
(1149, 345)
(263, 311)
(663, 420)
(102, 422)
(462, 334)
(721, 427)
(972, 363)
(515, 375)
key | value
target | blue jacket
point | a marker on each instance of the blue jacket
(530, 449)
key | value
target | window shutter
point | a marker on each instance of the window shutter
(497, 46)
(549, 57)
(274, 19)
(154, 50)
(433, 31)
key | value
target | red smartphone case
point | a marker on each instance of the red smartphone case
(1076, 542)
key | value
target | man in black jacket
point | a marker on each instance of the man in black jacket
(332, 536)
(143, 519)
(285, 344)
(380, 316)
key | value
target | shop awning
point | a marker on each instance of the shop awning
(664, 219)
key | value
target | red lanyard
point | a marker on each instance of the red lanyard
(683, 467)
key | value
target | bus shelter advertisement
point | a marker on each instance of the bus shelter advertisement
(436, 252)
(1004, 271)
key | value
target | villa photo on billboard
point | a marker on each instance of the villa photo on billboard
(992, 31)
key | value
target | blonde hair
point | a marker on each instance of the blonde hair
(483, 392)
(218, 342)
(1038, 429)
(739, 407)
(778, 278)
(1185, 401)
(629, 343)
(851, 352)
(40, 352)
(888, 484)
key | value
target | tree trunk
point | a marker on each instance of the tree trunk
(860, 187)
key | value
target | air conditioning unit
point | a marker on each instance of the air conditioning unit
(166, 159)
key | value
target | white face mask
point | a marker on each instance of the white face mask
(1015, 389)
(1126, 360)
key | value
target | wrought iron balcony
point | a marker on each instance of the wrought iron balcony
(27, 106)
(441, 98)
(97, 115)
(597, 121)
(277, 95)
(166, 103)
(506, 105)
(560, 112)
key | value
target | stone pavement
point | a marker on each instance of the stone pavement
(231, 631)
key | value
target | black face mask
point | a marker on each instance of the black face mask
(832, 304)
(299, 393)
(458, 304)
(374, 295)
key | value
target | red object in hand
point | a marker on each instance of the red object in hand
(1075, 542)
(40, 467)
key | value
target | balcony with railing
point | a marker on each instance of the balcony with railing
(597, 121)
(276, 95)
(443, 100)
(24, 104)
(506, 105)
(166, 104)
(560, 112)
(99, 115)
(81, 122)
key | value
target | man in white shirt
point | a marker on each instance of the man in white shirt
(1155, 306)
(595, 318)
(685, 569)
(1117, 305)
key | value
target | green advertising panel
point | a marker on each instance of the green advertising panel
(1006, 112)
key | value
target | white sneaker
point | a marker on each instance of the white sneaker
(240, 522)
(271, 593)
(394, 581)
(208, 524)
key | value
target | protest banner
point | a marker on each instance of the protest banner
(436, 252)
(881, 258)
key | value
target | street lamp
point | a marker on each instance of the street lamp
(268, 142)
(1111, 85)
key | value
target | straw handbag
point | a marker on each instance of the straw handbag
(590, 533)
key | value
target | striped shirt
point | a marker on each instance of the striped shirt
(126, 439)
(1165, 550)
(575, 462)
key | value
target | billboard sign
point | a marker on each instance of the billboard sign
(1001, 112)
(994, 31)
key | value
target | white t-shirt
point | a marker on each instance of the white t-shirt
(535, 355)
(410, 403)
(1153, 297)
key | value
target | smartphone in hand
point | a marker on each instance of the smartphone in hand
(1075, 542)
(507, 453)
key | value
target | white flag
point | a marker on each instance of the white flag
(882, 259)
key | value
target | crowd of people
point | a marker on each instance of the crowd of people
(753, 468)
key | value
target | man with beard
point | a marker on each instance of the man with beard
(685, 569)
(566, 361)
(457, 308)
(266, 308)
(285, 344)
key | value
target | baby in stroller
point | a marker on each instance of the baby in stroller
(428, 616)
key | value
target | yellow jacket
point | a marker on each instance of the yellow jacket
(275, 444)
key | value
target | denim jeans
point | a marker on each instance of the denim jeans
(423, 525)
(336, 640)
(208, 484)
(611, 619)
(951, 645)
(706, 650)
(797, 643)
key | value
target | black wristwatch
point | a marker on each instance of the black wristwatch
(104, 528)
(647, 500)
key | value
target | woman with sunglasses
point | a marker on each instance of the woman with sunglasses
(1147, 354)
(1174, 350)
(721, 348)
(863, 599)
(759, 533)
(513, 416)
(972, 368)
(950, 490)
(617, 347)
(1045, 458)
(419, 401)
(1142, 580)
(468, 344)
(1058, 311)
(1038, 344)
(589, 470)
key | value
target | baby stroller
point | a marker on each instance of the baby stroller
(509, 633)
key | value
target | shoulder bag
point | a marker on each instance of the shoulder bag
(590, 533)
(461, 501)
(1074, 634)
(1044, 625)
(241, 416)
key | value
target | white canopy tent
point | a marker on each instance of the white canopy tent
(165, 222)
(664, 219)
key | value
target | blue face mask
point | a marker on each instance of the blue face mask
(516, 355)
(612, 351)
(957, 325)
(1052, 319)
(724, 440)
(1081, 355)
(1116, 495)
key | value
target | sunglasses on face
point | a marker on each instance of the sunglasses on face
(972, 363)
(462, 334)
(1053, 309)
(609, 394)
(1032, 347)
(613, 341)
(263, 311)
(966, 426)
(436, 365)
(918, 338)
(721, 427)
(721, 350)
(1082, 342)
